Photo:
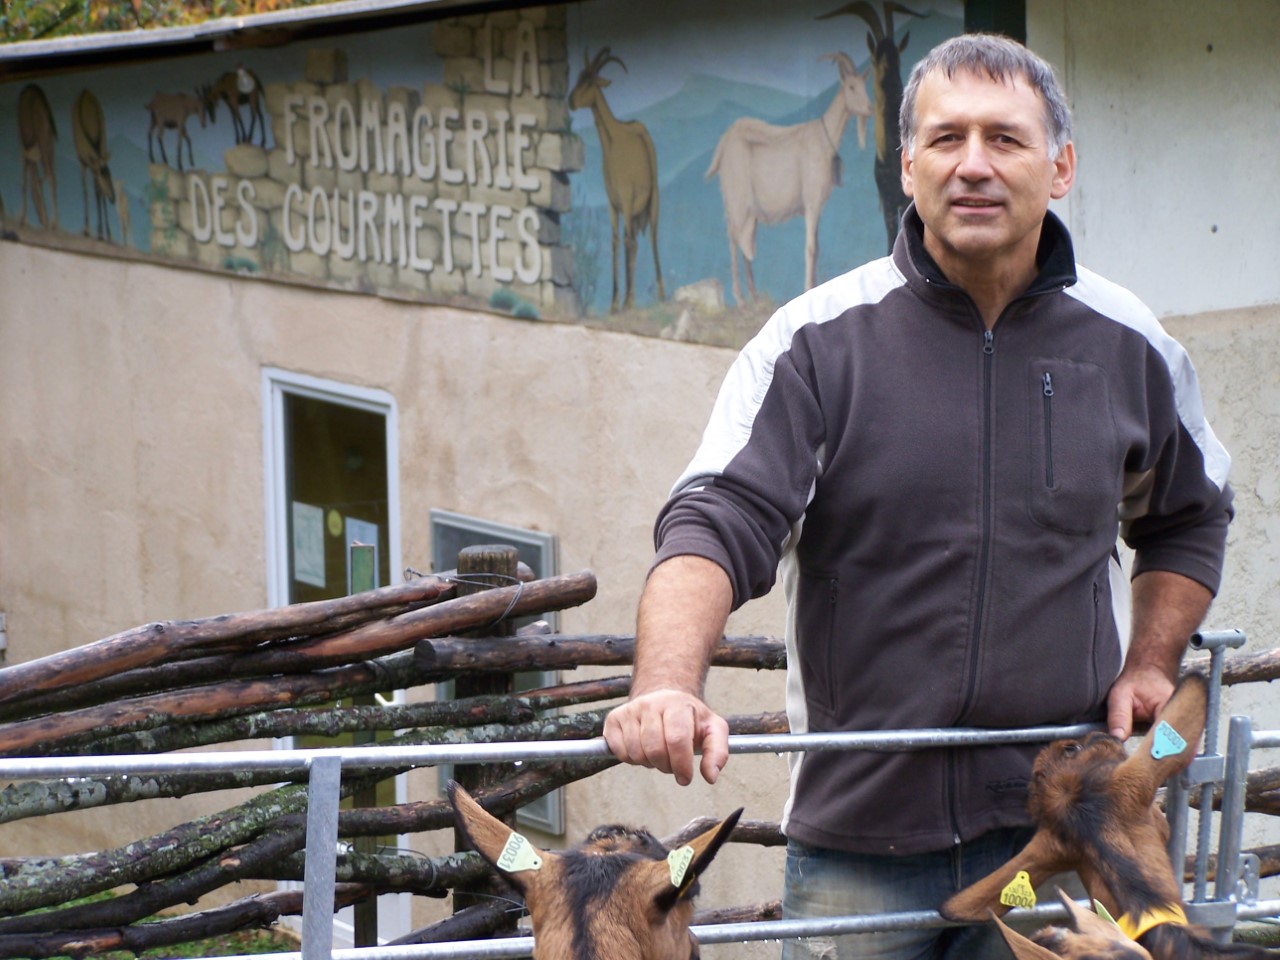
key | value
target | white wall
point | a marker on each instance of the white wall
(1177, 125)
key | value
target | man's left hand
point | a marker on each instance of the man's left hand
(1137, 696)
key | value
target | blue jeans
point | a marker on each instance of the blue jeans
(831, 883)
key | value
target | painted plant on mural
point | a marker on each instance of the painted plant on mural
(665, 168)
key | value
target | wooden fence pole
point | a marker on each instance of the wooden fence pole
(483, 567)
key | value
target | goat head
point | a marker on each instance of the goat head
(1095, 812)
(1089, 937)
(620, 893)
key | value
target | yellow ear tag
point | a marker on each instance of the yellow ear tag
(1019, 892)
(678, 861)
(1167, 742)
(518, 854)
(1103, 912)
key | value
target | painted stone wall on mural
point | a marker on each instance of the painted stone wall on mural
(668, 169)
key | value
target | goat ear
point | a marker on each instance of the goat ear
(1022, 948)
(492, 838)
(674, 877)
(1183, 717)
(1040, 859)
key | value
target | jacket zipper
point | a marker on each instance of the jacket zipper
(984, 553)
(1048, 429)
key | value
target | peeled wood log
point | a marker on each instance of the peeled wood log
(1241, 667)
(157, 642)
(1261, 794)
(1268, 863)
(452, 656)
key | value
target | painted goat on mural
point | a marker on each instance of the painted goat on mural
(630, 172)
(89, 131)
(238, 88)
(769, 174)
(170, 111)
(36, 135)
(886, 61)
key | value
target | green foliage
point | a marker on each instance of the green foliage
(43, 19)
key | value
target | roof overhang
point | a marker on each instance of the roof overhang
(37, 57)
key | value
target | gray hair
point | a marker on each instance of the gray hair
(1000, 59)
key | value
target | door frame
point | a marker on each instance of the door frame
(277, 383)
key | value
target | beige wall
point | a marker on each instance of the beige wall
(131, 475)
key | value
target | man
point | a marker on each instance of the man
(940, 448)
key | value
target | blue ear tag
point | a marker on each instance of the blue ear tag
(1167, 742)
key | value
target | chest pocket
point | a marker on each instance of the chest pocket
(1075, 463)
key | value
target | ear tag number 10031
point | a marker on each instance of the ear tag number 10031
(518, 854)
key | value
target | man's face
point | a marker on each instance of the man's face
(981, 175)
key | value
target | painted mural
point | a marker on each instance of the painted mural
(664, 168)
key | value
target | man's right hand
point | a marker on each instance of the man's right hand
(663, 729)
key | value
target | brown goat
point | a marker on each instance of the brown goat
(620, 894)
(886, 59)
(1090, 938)
(36, 136)
(630, 173)
(89, 132)
(1096, 814)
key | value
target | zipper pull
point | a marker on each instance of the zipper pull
(1048, 384)
(988, 342)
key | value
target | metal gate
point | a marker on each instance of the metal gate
(1234, 897)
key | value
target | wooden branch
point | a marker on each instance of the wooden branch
(1241, 667)
(257, 911)
(453, 656)
(363, 643)
(1268, 863)
(475, 922)
(271, 828)
(294, 722)
(772, 910)
(1261, 795)
(763, 833)
(157, 642)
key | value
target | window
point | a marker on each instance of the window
(450, 533)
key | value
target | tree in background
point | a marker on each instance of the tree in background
(43, 19)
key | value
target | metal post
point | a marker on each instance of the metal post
(321, 857)
(364, 576)
(1216, 915)
(1230, 837)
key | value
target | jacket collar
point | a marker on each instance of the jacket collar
(1055, 256)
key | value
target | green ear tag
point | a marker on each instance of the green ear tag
(1019, 892)
(518, 854)
(1167, 742)
(1103, 912)
(678, 861)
